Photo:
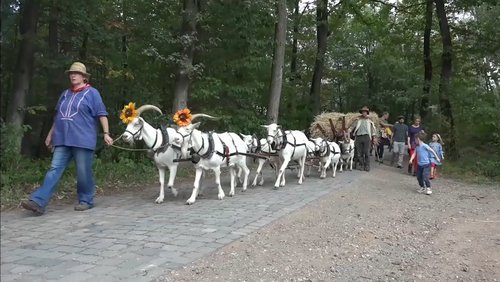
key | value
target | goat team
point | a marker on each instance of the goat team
(211, 151)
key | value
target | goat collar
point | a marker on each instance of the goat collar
(156, 139)
(257, 148)
(210, 149)
(325, 151)
(277, 138)
(164, 143)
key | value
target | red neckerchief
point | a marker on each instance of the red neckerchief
(76, 90)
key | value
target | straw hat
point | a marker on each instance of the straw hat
(78, 67)
(364, 109)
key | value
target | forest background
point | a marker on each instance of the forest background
(249, 62)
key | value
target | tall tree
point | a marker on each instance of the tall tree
(30, 10)
(188, 40)
(294, 75)
(278, 63)
(446, 73)
(424, 105)
(321, 37)
(53, 73)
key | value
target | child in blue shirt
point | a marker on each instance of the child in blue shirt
(437, 146)
(424, 154)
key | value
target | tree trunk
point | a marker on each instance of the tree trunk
(124, 51)
(188, 41)
(341, 103)
(82, 52)
(371, 81)
(54, 78)
(292, 99)
(278, 63)
(321, 37)
(24, 68)
(424, 104)
(444, 84)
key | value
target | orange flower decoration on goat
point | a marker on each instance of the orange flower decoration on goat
(129, 113)
(183, 117)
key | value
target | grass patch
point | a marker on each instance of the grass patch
(474, 166)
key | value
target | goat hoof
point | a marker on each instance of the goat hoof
(276, 187)
(188, 202)
(159, 201)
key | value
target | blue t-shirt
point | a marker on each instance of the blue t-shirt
(77, 118)
(439, 151)
(424, 154)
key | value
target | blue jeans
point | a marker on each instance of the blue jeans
(85, 181)
(423, 173)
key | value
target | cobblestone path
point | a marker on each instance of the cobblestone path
(130, 238)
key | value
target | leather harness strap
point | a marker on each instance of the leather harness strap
(164, 143)
(285, 142)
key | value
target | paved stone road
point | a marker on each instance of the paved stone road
(129, 237)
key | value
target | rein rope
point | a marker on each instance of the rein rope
(132, 149)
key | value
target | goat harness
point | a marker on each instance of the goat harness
(286, 142)
(165, 142)
(225, 154)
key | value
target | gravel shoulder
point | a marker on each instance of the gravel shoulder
(380, 229)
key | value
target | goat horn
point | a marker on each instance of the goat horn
(193, 117)
(143, 108)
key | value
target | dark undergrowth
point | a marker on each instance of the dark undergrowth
(118, 171)
(476, 165)
(113, 173)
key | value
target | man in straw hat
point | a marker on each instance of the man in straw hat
(73, 136)
(364, 132)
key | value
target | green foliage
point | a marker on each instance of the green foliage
(132, 49)
(475, 165)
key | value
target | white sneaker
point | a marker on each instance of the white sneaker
(428, 191)
(421, 190)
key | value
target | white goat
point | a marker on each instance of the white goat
(347, 157)
(263, 148)
(329, 153)
(312, 152)
(160, 142)
(213, 150)
(291, 145)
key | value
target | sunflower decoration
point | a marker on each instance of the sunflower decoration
(183, 117)
(129, 113)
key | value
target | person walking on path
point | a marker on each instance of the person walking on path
(413, 130)
(385, 136)
(364, 131)
(399, 137)
(424, 154)
(437, 146)
(73, 136)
